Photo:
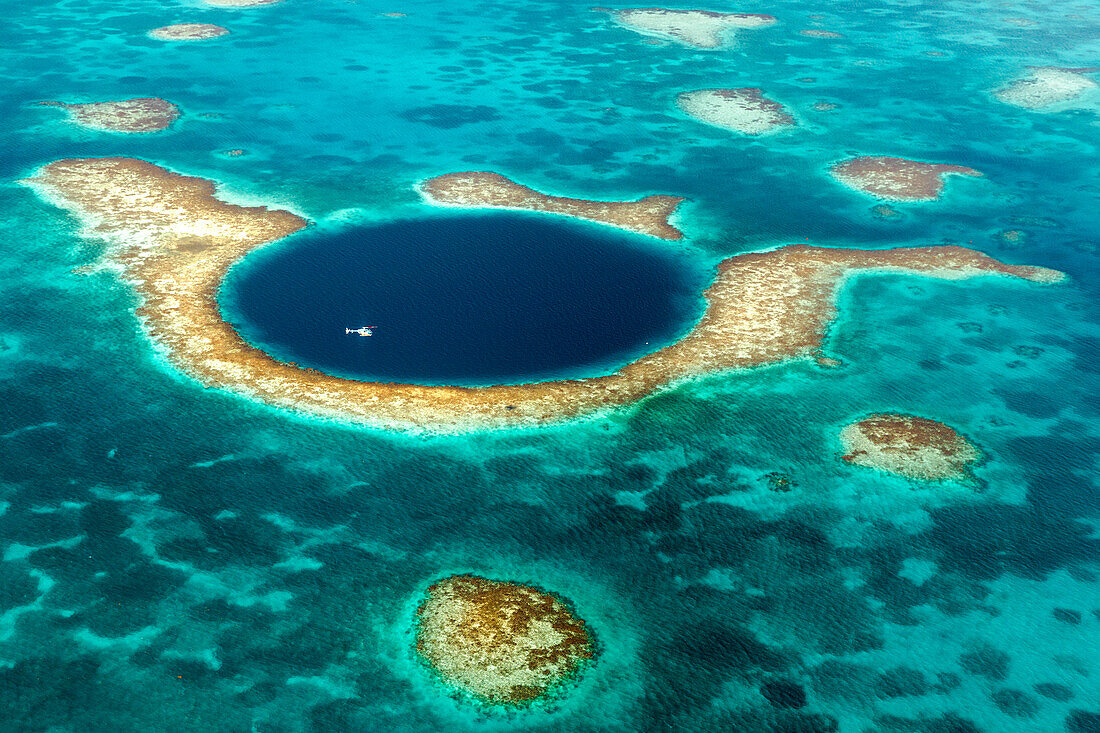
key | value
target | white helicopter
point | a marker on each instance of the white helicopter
(362, 330)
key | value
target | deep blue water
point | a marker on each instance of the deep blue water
(469, 300)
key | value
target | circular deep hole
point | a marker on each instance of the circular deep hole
(464, 300)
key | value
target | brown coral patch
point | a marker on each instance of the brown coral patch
(481, 189)
(176, 241)
(500, 642)
(897, 179)
(910, 446)
(141, 114)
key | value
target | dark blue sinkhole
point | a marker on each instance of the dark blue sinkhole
(465, 300)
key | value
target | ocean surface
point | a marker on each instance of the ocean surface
(175, 558)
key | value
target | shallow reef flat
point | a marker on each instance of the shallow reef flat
(696, 28)
(480, 189)
(141, 114)
(1046, 86)
(910, 446)
(897, 179)
(503, 643)
(188, 32)
(239, 3)
(742, 110)
(176, 241)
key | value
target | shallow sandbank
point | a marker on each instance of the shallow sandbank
(480, 189)
(696, 28)
(742, 110)
(503, 643)
(897, 179)
(176, 241)
(1045, 86)
(188, 32)
(142, 114)
(910, 446)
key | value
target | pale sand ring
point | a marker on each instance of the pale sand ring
(1045, 86)
(910, 446)
(503, 643)
(897, 179)
(188, 32)
(175, 241)
(695, 28)
(742, 110)
(142, 114)
(482, 189)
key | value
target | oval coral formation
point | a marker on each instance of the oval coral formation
(910, 446)
(502, 643)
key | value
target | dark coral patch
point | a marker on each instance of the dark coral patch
(1067, 616)
(901, 682)
(449, 116)
(1015, 703)
(986, 661)
(784, 694)
(1080, 721)
(1054, 691)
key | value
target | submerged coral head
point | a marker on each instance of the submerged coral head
(910, 446)
(141, 114)
(897, 179)
(503, 643)
(188, 32)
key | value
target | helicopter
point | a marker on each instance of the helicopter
(362, 330)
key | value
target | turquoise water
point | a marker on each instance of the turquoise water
(176, 558)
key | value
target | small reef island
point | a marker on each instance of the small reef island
(696, 28)
(897, 179)
(142, 114)
(742, 110)
(1046, 86)
(480, 189)
(176, 240)
(910, 446)
(188, 32)
(502, 643)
